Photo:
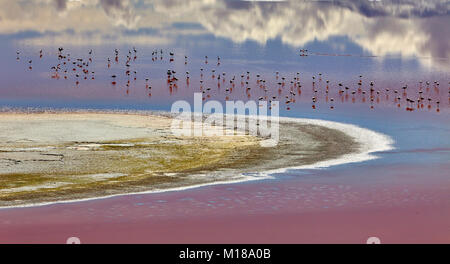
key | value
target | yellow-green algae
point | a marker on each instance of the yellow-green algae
(88, 169)
(144, 163)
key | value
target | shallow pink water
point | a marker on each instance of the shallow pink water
(288, 211)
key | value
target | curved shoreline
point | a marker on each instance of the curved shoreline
(369, 142)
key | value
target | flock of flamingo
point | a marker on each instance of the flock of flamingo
(425, 94)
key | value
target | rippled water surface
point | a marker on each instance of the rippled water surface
(392, 45)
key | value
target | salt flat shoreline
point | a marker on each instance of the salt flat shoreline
(368, 142)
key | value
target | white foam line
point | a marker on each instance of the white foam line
(369, 142)
(243, 179)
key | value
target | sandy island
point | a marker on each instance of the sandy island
(62, 156)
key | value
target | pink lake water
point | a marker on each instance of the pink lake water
(401, 197)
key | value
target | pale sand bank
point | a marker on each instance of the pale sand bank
(54, 157)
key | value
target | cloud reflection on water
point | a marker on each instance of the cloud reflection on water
(406, 28)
